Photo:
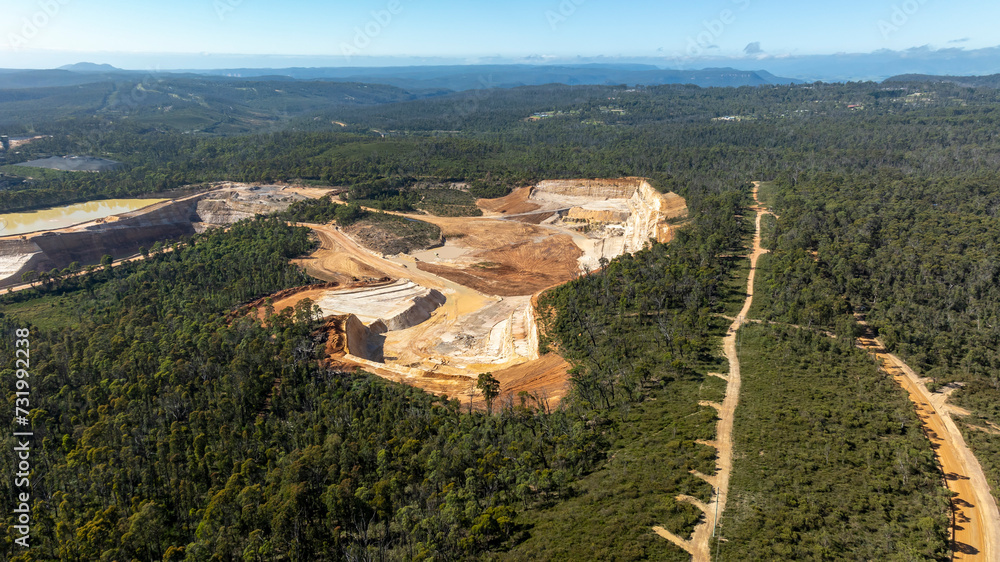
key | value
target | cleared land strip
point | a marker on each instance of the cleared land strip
(699, 545)
(976, 521)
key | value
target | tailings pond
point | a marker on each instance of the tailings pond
(61, 217)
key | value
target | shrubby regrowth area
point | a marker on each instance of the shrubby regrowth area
(831, 462)
(916, 254)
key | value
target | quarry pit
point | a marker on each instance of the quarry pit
(434, 318)
(489, 271)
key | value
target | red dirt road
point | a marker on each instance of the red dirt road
(976, 524)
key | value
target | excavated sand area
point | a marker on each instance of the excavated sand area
(519, 269)
(397, 306)
(465, 307)
(502, 258)
(513, 204)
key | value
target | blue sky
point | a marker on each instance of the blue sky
(196, 33)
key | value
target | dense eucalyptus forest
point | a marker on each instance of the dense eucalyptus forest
(167, 430)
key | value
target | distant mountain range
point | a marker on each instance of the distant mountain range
(652, 69)
(991, 81)
(912, 64)
(454, 77)
(90, 67)
(471, 77)
(878, 65)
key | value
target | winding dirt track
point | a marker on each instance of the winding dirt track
(699, 545)
(115, 263)
(976, 522)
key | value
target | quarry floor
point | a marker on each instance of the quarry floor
(488, 270)
(426, 355)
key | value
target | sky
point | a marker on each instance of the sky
(193, 34)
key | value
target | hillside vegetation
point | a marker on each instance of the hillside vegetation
(167, 431)
(832, 463)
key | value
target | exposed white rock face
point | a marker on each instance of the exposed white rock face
(618, 215)
(398, 305)
(229, 206)
(121, 235)
(649, 210)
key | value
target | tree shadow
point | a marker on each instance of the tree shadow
(964, 548)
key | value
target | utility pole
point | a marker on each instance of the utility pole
(716, 522)
(715, 525)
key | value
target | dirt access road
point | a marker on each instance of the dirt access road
(976, 522)
(699, 545)
(115, 263)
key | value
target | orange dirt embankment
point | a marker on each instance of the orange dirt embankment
(506, 258)
(976, 522)
(347, 337)
(332, 263)
(513, 204)
(546, 377)
(543, 379)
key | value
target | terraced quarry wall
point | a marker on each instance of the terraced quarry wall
(591, 189)
(395, 306)
(86, 244)
(650, 211)
(631, 203)
(122, 235)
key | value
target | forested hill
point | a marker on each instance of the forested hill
(455, 77)
(990, 81)
(191, 104)
(498, 139)
(470, 77)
